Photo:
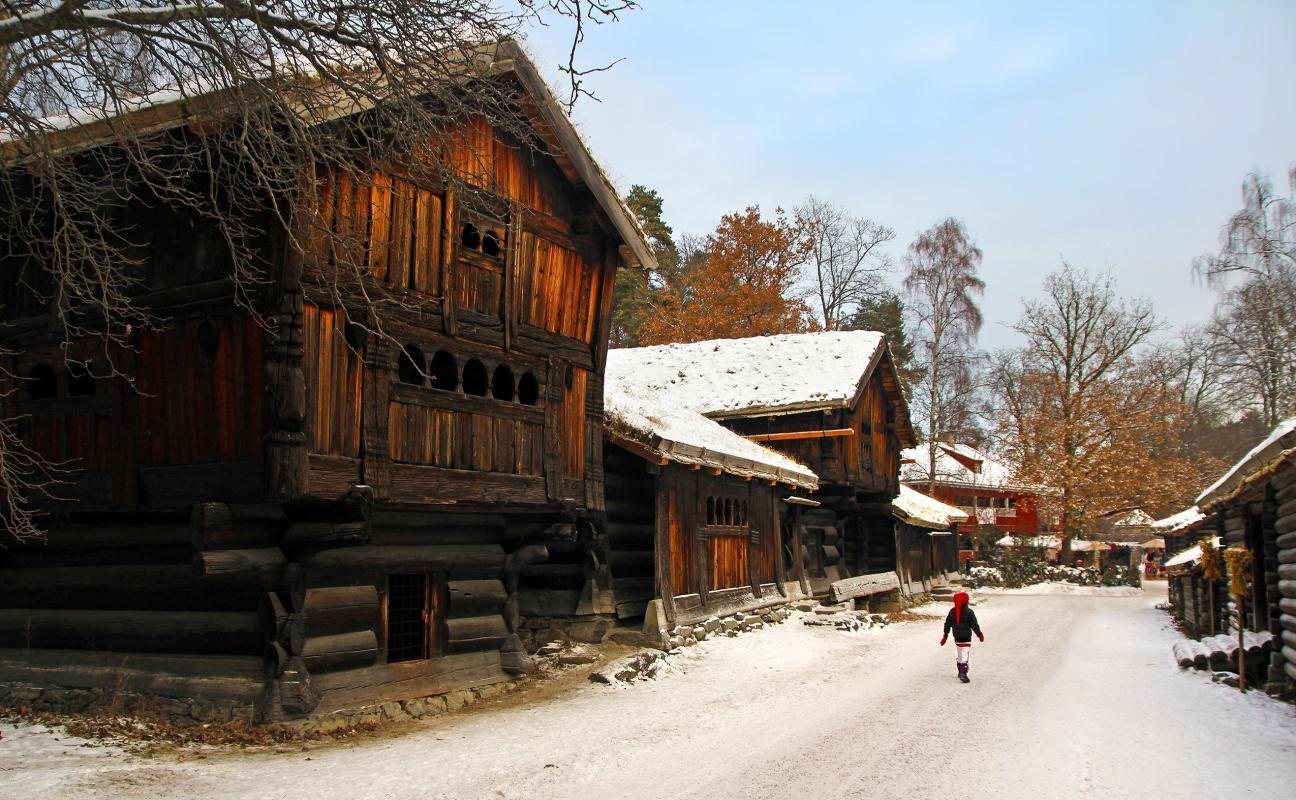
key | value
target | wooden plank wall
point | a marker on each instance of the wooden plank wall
(333, 371)
(196, 405)
(425, 250)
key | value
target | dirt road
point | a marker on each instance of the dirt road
(1072, 697)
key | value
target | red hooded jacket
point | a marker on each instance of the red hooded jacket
(962, 619)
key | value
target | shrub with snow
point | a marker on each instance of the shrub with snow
(1011, 569)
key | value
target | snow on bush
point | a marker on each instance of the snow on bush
(1012, 570)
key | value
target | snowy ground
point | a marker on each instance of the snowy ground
(1072, 696)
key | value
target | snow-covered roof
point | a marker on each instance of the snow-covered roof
(1175, 522)
(1278, 446)
(1046, 542)
(651, 420)
(759, 374)
(1188, 557)
(918, 509)
(1133, 518)
(952, 468)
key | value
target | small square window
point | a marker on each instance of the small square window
(407, 617)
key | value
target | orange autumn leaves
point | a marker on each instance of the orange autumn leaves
(744, 286)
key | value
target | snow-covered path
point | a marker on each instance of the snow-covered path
(1072, 697)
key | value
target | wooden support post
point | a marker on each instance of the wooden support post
(286, 460)
(798, 547)
(380, 355)
(662, 563)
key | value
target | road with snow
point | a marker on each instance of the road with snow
(1072, 697)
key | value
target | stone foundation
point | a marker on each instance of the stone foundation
(179, 711)
(536, 632)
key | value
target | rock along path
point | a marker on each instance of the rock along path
(1072, 697)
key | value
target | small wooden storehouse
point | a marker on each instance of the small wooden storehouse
(830, 401)
(303, 516)
(694, 512)
(925, 541)
(1254, 505)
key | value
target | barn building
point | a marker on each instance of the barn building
(694, 514)
(287, 513)
(1254, 506)
(830, 401)
(926, 542)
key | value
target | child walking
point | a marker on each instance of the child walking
(964, 623)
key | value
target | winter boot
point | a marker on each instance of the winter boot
(963, 673)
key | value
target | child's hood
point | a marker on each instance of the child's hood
(960, 602)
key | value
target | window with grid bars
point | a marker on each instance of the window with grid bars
(407, 617)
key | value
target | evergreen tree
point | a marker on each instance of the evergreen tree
(636, 290)
(886, 314)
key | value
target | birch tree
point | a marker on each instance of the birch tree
(1254, 272)
(941, 285)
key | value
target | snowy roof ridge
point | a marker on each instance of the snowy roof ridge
(648, 419)
(916, 508)
(1183, 519)
(1276, 448)
(950, 471)
(757, 374)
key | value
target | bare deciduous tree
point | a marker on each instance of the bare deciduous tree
(846, 261)
(941, 283)
(1071, 392)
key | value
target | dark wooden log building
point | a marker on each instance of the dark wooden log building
(925, 541)
(306, 516)
(830, 401)
(694, 513)
(1254, 505)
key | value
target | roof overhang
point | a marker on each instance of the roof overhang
(501, 58)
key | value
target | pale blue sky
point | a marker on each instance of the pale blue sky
(1114, 134)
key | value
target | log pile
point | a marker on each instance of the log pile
(1220, 652)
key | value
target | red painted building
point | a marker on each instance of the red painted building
(980, 486)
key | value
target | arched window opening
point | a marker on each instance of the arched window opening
(528, 390)
(444, 371)
(491, 245)
(42, 383)
(744, 514)
(80, 382)
(475, 381)
(208, 337)
(728, 512)
(355, 335)
(470, 237)
(711, 511)
(502, 384)
(410, 365)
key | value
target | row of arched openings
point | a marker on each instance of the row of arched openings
(443, 372)
(726, 511)
(42, 381)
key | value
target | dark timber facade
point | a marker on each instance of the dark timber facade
(302, 517)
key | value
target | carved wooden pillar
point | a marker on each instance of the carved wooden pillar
(286, 459)
(380, 355)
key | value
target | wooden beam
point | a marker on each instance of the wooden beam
(831, 433)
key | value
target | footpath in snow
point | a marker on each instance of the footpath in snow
(1073, 696)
